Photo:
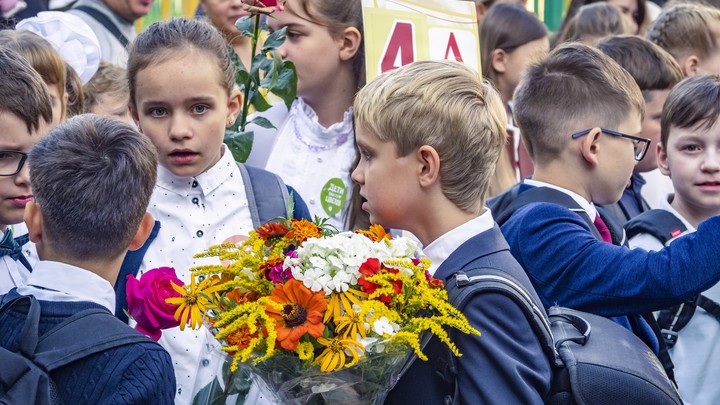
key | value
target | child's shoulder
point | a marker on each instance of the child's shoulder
(654, 229)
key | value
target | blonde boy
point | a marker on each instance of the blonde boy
(578, 111)
(430, 135)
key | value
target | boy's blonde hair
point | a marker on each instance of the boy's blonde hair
(577, 87)
(109, 79)
(445, 105)
(694, 102)
(687, 28)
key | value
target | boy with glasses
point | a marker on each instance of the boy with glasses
(25, 116)
(583, 157)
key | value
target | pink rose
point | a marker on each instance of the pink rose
(146, 300)
(263, 6)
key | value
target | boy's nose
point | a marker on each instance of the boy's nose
(357, 176)
(711, 162)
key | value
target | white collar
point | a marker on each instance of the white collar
(580, 200)
(55, 281)
(309, 127)
(207, 181)
(441, 248)
(665, 205)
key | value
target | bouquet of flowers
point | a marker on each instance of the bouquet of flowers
(319, 316)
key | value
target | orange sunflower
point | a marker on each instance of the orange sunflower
(375, 233)
(303, 230)
(301, 313)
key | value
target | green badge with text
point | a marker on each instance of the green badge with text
(333, 196)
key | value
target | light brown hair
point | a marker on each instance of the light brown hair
(337, 15)
(687, 28)
(593, 22)
(23, 92)
(446, 105)
(41, 56)
(575, 88)
(176, 38)
(109, 79)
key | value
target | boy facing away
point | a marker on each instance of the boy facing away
(25, 116)
(655, 72)
(92, 178)
(430, 135)
(584, 154)
(689, 153)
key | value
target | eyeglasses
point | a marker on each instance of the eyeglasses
(11, 162)
(640, 144)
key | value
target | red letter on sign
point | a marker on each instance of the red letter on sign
(400, 48)
(453, 46)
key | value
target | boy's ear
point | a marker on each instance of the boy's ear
(498, 59)
(146, 226)
(429, 170)
(662, 162)
(590, 146)
(690, 65)
(33, 220)
(234, 106)
(350, 40)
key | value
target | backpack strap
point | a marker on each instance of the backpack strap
(263, 189)
(674, 319)
(661, 224)
(465, 284)
(62, 345)
(100, 332)
(105, 21)
(131, 265)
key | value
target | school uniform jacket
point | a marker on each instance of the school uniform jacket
(570, 267)
(505, 365)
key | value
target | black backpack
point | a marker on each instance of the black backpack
(504, 205)
(666, 227)
(25, 375)
(596, 361)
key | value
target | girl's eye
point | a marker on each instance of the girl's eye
(292, 35)
(200, 109)
(365, 155)
(157, 112)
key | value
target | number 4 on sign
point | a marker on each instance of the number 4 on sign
(400, 47)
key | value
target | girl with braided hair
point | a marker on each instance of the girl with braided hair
(691, 34)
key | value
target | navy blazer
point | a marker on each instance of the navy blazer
(505, 365)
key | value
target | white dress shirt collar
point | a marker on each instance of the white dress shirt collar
(207, 181)
(441, 248)
(580, 200)
(55, 281)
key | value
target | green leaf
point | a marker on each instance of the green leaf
(259, 102)
(210, 394)
(274, 40)
(239, 143)
(286, 85)
(262, 122)
(235, 59)
(257, 61)
(246, 26)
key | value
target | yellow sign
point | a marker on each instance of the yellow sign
(398, 32)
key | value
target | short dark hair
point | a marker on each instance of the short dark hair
(652, 67)
(22, 91)
(576, 87)
(92, 178)
(693, 102)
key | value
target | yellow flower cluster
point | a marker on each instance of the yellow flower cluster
(398, 293)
